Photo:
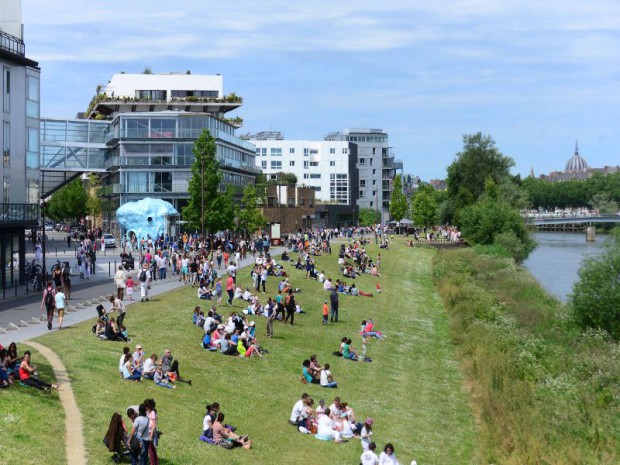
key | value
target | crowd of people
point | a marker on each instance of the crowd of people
(163, 372)
(15, 369)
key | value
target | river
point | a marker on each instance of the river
(557, 259)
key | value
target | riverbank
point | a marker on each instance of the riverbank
(544, 392)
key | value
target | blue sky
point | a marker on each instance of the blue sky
(535, 75)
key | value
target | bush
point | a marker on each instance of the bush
(596, 296)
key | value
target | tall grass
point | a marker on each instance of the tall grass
(544, 392)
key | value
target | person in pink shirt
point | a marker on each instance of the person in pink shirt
(230, 288)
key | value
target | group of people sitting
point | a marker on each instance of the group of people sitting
(342, 287)
(136, 367)
(108, 328)
(14, 368)
(312, 372)
(337, 422)
(236, 338)
(215, 431)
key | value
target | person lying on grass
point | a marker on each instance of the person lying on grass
(222, 436)
(354, 291)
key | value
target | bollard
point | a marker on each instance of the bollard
(15, 286)
(109, 264)
(56, 251)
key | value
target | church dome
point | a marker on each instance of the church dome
(576, 163)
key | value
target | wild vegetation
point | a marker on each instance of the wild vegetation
(544, 390)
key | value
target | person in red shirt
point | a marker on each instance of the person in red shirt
(230, 288)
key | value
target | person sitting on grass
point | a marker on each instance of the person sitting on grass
(209, 419)
(348, 351)
(326, 378)
(315, 367)
(227, 347)
(170, 368)
(196, 315)
(226, 438)
(203, 292)
(347, 428)
(161, 380)
(112, 333)
(129, 372)
(5, 379)
(325, 428)
(149, 367)
(26, 373)
(306, 377)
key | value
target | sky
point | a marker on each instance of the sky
(534, 75)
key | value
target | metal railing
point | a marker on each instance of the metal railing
(19, 214)
(12, 44)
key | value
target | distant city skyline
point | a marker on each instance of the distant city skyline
(536, 76)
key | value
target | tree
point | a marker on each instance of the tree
(369, 216)
(492, 220)
(478, 161)
(596, 296)
(208, 208)
(424, 206)
(69, 203)
(94, 205)
(398, 201)
(250, 217)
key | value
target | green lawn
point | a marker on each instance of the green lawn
(413, 388)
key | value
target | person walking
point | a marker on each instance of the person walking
(93, 259)
(270, 317)
(230, 288)
(145, 281)
(49, 301)
(333, 298)
(119, 282)
(61, 304)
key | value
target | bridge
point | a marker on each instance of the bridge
(570, 223)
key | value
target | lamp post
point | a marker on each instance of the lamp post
(202, 198)
(43, 205)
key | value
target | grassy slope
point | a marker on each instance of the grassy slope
(412, 388)
(32, 422)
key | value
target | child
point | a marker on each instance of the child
(325, 312)
(129, 288)
(160, 379)
(378, 288)
(196, 314)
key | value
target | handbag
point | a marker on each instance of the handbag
(135, 445)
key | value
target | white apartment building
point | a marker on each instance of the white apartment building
(327, 166)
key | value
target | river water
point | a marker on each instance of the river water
(557, 259)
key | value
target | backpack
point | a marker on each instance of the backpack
(142, 276)
(49, 299)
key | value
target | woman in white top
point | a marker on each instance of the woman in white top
(209, 419)
(387, 457)
(325, 428)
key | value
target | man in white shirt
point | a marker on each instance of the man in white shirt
(297, 412)
(149, 367)
(335, 409)
(369, 457)
(322, 277)
(209, 321)
(327, 285)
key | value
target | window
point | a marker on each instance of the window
(315, 176)
(362, 161)
(6, 190)
(264, 164)
(374, 151)
(345, 151)
(274, 152)
(362, 183)
(361, 194)
(306, 176)
(332, 163)
(314, 163)
(263, 151)
(276, 164)
(314, 152)
(305, 164)
(339, 188)
(371, 204)
(374, 172)
(374, 182)
(370, 161)
(33, 191)
(271, 201)
(6, 85)
(291, 163)
(332, 150)
(291, 150)
(32, 97)
(6, 144)
(305, 152)
(151, 94)
(317, 188)
(32, 154)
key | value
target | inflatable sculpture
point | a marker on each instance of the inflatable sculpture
(146, 217)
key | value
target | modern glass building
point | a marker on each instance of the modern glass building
(150, 155)
(19, 139)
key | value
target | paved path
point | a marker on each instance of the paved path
(74, 439)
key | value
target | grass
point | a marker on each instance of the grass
(544, 391)
(32, 422)
(413, 388)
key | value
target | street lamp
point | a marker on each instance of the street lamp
(202, 198)
(43, 206)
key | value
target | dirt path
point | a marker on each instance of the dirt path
(74, 439)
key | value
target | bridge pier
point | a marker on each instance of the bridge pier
(590, 234)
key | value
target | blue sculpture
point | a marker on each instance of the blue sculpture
(143, 218)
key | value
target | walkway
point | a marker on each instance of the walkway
(74, 439)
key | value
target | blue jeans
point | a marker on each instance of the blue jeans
(332, 385)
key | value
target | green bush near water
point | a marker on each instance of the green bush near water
(544, 391)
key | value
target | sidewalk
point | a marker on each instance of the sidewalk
(22, 319)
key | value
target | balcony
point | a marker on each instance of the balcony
(12, 44)
(23, 215)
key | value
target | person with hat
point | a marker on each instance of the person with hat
(366, 433)
(145, 281)
(138, 358)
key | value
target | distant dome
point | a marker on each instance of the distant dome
(576, 163)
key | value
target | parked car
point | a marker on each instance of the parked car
(109, 241)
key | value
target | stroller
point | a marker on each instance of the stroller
(127, 261)
(117, 439)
